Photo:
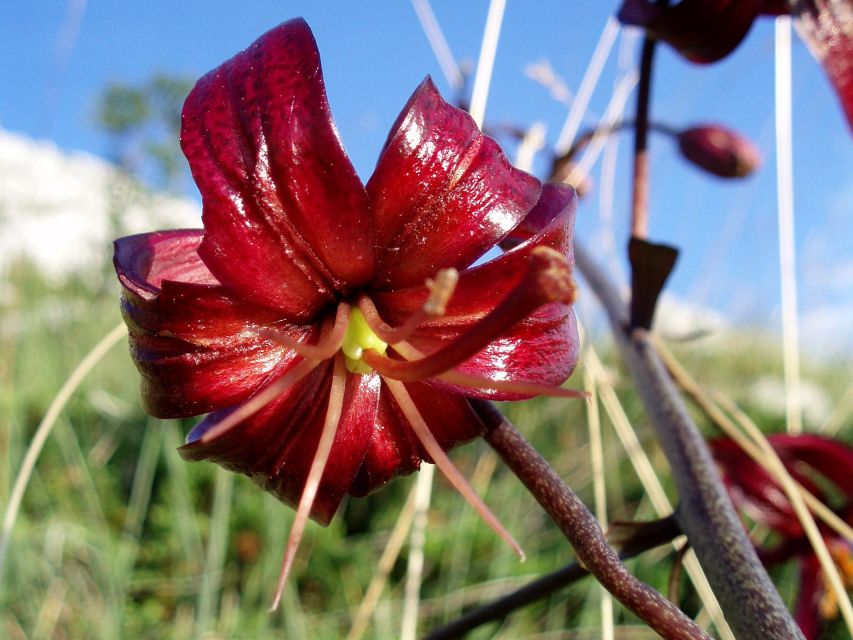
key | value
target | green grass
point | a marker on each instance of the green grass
(118, 537)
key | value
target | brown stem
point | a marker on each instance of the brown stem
(640, 190)
(705, 513)
(540, 588)
(582, 529)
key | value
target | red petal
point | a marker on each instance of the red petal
(827, 457)
(825, 26)
(194, 343)
(753, 489)
(286, 215)
(542, 348)
(442, 193)
(394, 449)
(810, 591)
(276, 446)
(702, 31)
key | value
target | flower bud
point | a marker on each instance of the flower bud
(719, 150)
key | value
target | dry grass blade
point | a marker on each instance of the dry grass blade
(43, 431)
(728, 426)
(774, 465)
(654, 490)
(599, 490)
(787, 252)
(486, 62)
(414, 572)
(383, 568)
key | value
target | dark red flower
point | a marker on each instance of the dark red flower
(702, 31)
(719, 150)
(825, 25)
(274, 319)
(825, 468)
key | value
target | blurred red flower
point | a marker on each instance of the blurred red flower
(702, 31)
(824, 467)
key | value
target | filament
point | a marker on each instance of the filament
(315, 474)
(324, 349)
(419, 426)
(331, 337)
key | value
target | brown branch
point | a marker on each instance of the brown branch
(582, 529)
(542, 588)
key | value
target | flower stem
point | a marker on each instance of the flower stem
(582, 529)
(640, 190)
(705, 513)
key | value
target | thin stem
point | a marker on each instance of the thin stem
(640, 190)
(752, 605)
(581, 529)
(605, 130)
(523, 596)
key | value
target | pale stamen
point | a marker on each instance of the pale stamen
(322, 350)
(523, 387)
(440, 291)
(419, 426)
(315, 474)
(548, 279)
(330, 341)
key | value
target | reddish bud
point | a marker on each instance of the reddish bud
(719, 150)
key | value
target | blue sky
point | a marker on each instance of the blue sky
(57, 56)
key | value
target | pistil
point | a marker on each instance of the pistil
(548, 279)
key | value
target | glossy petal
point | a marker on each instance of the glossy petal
(442, 193)
(702, 31)
(276, 446)
(285, 214)
(542, 348)
(394, 449)
(825, 26)
(195, 344)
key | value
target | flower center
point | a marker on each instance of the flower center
(358, 338)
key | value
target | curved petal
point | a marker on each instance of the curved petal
(830, 458)
(276, 446)
(195, 344)
(542, 348)
(753, 490)
(810, 591)
(285, 214)
(442, 193)
(395, 451)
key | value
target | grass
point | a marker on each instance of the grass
(118, 537)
